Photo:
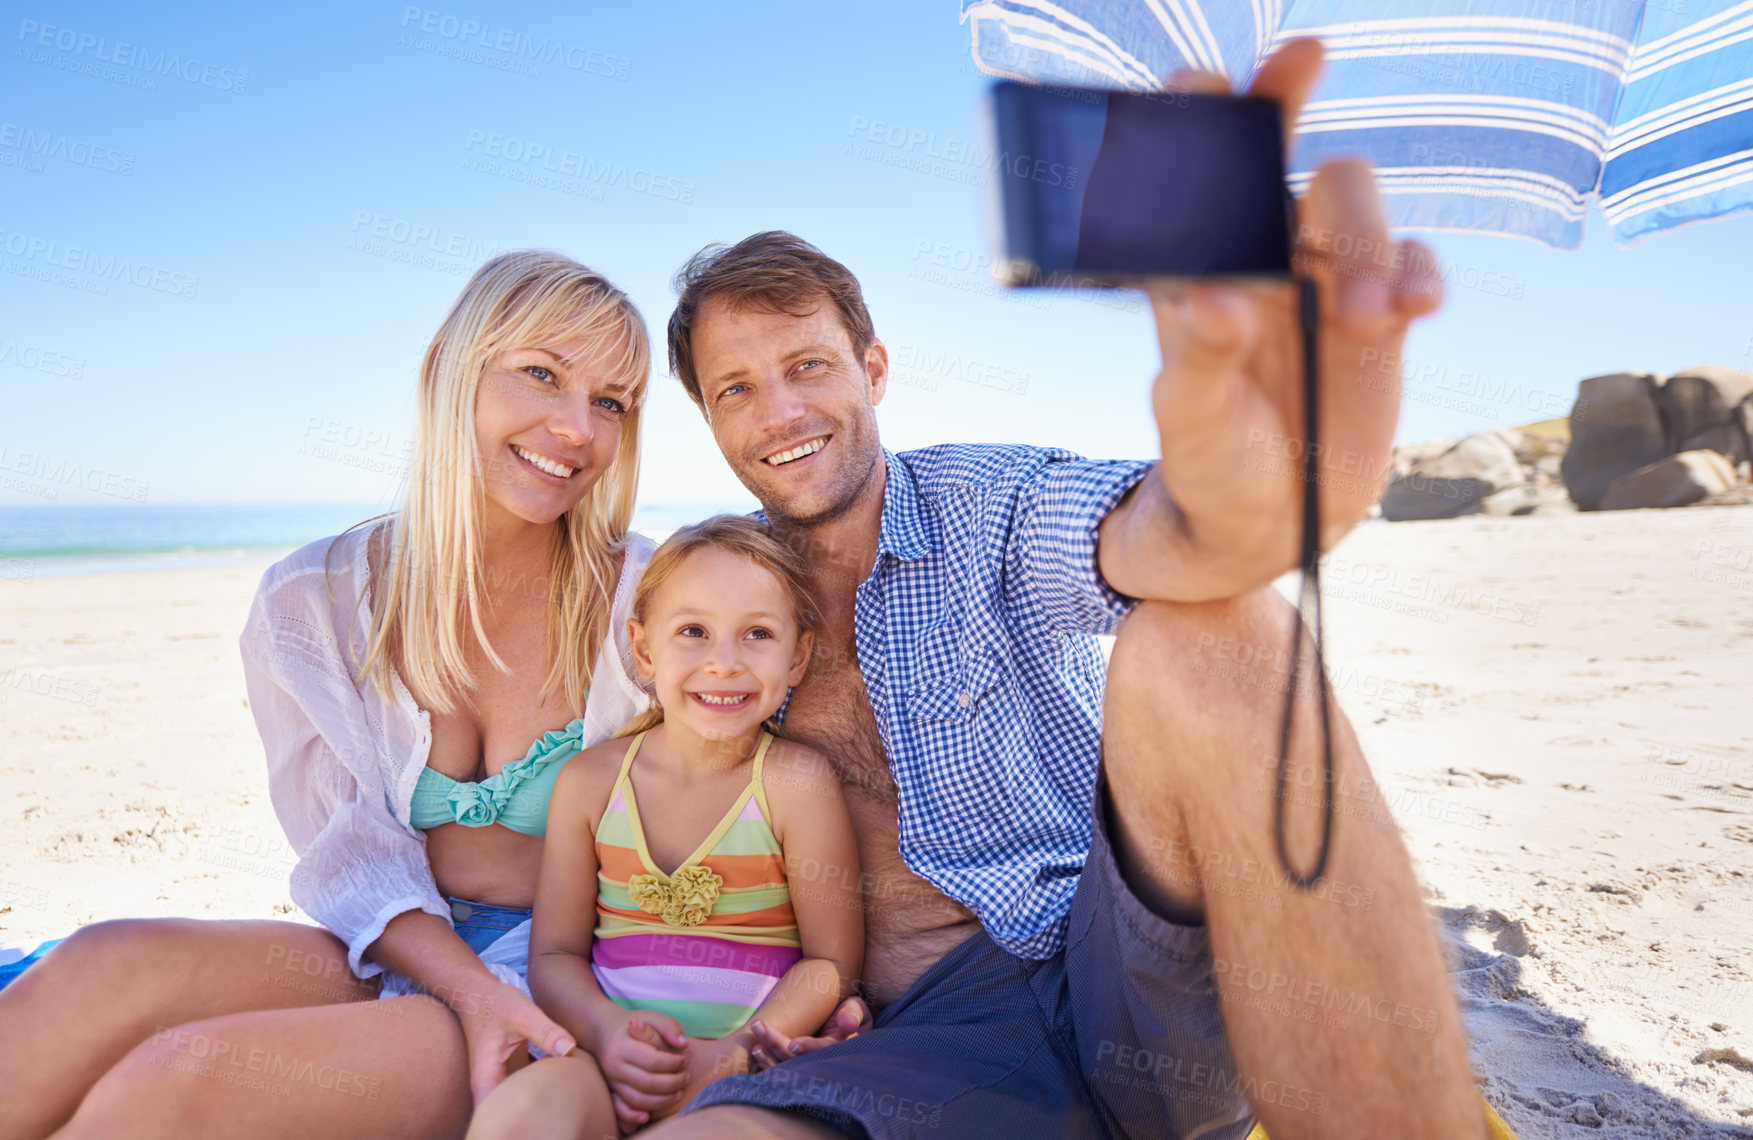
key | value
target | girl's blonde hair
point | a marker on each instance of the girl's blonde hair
(739, 535)
(430, 591)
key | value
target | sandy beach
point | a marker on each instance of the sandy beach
(1556, 710)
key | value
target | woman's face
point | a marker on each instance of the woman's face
(546, 429)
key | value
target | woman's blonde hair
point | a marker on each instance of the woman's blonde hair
(738, 535)
(429, 594)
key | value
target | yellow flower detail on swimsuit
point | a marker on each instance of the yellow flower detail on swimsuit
(696, 886)
(681, 916)
(649, 893)
(685, 900)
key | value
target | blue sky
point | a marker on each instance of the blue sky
(300, 201)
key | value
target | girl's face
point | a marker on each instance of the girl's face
(546, 429)
(722, 644)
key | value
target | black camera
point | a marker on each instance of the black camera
(1112, 187)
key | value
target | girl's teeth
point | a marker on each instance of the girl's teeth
(736, 700)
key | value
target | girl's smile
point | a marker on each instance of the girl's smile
(722, 644)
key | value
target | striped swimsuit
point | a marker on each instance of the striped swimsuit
(706, 943)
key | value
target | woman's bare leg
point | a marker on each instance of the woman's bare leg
(562, 1098)
(112, 985)
(364, 1069)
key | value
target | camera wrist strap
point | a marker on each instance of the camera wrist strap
(1308, 606)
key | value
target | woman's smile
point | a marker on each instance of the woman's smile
(544, 464)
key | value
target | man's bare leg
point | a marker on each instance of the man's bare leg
(740, 1122)
(1341, 990)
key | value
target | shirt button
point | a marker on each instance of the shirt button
(964, 699)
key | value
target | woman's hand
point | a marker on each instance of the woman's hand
(771, 1046)
(498, 1021)
(646, 1064)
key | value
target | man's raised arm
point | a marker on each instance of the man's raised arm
(1221, 515)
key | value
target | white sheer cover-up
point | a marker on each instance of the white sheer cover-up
(343, 759)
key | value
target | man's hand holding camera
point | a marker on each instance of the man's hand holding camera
(1220, 521)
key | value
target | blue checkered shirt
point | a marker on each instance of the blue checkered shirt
(976, 636)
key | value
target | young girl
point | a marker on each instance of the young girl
(665, 920)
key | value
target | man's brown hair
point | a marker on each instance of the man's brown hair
(772, 272)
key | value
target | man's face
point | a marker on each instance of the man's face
(792, 406)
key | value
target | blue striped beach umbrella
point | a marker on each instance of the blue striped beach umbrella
(1500, 116)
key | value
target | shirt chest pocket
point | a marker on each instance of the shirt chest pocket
(978, 744)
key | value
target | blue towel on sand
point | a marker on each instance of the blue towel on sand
(16, 956)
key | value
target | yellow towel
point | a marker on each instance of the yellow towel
(1498, 1129)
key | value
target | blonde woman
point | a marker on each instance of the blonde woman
(418, 683)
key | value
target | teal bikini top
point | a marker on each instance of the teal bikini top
(516, 795)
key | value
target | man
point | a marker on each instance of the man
(1078, 922)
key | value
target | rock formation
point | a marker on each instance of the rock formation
(1633, 439)
(1452, 482)
(1625, 423)
(1671, 481)
(1615, 428)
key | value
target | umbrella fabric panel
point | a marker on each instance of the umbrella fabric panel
(1501, 116)
(1477, 116)
(1682, 145)
(1128, 44)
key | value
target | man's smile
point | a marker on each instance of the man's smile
(800, 451)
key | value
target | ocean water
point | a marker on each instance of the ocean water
(53, 540)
